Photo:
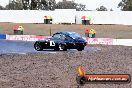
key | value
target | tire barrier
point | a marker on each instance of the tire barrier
(124, 42)
(26, 37)
(104, 41)
(2, 36)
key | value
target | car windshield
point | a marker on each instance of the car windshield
(74, 35)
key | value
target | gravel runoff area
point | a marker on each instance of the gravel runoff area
(59, 70)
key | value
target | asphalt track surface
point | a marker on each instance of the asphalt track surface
(23, 47)
(51, 69)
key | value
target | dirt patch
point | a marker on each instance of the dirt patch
(59, 70)
(103, 31)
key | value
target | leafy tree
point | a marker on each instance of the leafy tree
(39, 4)
(25, 4)
(101, 8)
(126, 5)
(14, 5)
(2, 8)
(70, 5)
(80, 7)
(66, 5)
(44, 5)
(32, 5)
(48, 4)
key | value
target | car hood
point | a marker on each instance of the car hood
(47, 39)
(80, 39)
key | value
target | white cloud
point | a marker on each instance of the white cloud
(4, 2)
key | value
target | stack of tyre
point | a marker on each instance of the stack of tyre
(2, 36)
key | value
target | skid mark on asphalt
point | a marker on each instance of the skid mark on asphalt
(23, 47)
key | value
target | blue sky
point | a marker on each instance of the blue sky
(90, 4)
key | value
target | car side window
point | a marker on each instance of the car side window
(63, 37)
(69, 38)
(56, 36)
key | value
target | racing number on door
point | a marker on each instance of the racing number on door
(52, 43)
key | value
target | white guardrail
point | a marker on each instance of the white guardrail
(66, 16)
(124, 42)
(103, 41)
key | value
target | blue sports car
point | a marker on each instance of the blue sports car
(62, 41)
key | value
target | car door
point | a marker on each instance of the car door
(68, 40)
(55, 40)
(62, 38)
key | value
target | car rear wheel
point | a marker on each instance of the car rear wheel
(38, 46)
(56, 48)
(80, 48)
(62, 47)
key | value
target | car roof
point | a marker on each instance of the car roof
(65, 33)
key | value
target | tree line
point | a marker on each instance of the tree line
(43, 5)
(125, 5)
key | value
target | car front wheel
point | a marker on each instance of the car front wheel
(38, 46)
(62, 47)
(80, 48)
